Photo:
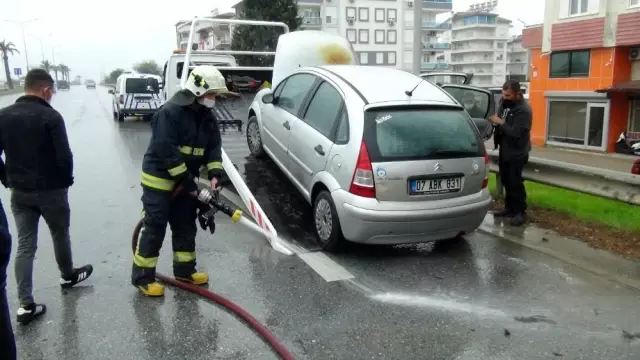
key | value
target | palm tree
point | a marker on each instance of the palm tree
(46, 65)
(8, 48)
(64, 69)
(55, 69)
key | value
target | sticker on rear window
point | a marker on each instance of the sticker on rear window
(382, 119)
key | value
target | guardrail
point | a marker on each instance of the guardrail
(608, 184)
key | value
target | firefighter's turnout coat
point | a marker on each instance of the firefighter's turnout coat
(185, 137)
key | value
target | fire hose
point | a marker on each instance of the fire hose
(236, 215)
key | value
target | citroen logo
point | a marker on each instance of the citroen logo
(437, 167)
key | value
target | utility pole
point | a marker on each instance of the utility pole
(24, 38)
(417, 37)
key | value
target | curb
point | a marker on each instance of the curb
(596, 261)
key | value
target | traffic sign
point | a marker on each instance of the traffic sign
(17, 71)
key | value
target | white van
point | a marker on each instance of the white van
(136, 94)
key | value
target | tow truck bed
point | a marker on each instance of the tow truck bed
(224, 116)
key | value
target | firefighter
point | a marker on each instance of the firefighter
(184, 138)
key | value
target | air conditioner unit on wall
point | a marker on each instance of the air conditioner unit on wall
(350, 19)
(391, 21)
(634, 54)
(410, 3)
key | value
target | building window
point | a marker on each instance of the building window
(634, 119)
(391, 58)
(500, 45)
(634, 3)
(364, 58)
(577, 122)
(391, 14)
(363, 36)
(577, 7)
(351, 35)
(379, 36)
(379, 58)
(391, 36)
(379, 15)
(351, 12)
(363, 14)
(569, 64)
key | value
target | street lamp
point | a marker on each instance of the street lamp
(24, 39)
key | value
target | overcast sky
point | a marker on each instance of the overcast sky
(97, 36)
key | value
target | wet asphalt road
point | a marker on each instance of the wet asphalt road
(481, 298)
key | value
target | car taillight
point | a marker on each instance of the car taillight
(485, 181)
(252, 83)
(362, 183)
(636, 168)
(121, 99)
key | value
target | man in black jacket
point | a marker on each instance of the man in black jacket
(185, 137)
(512, 135)
(39, 170)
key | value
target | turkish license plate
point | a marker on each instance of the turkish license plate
(435, 186)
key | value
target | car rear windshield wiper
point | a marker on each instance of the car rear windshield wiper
(456, 153)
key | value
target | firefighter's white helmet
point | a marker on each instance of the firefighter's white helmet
(205, 79)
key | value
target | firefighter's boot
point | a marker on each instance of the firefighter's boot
(154, 289)
(197, 278)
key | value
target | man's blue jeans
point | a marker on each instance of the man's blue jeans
(7, 340)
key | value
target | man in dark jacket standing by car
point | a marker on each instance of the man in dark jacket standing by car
(513, 127)
(39, 170)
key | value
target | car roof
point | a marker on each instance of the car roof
(380, 84)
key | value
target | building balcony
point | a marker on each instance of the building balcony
(431, 5)
(308, 21)
(473, 49)
(436, 46)
(434, 66)
(487, 60)
(432, 25)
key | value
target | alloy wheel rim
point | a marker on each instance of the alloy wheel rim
(324, 220)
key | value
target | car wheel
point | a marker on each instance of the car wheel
(326, 222)
(254, 140)
(121, 117)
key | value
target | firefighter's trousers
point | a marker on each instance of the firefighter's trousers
(159, 208)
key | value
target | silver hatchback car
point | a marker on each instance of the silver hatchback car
(383, 156)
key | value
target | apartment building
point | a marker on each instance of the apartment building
(209, 37)
(517, 60)
(479, 46)
(585, 73)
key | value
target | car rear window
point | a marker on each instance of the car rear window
(420, 133)
(142, 86)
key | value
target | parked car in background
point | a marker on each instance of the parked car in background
(90, 84)
(393, 164)
(63, 85)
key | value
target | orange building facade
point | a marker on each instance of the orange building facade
(583, 93)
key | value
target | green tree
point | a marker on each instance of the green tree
(148, 67)
(263, 38)
(113, 76)
(64, 70)
(56, 70)
(7, 49)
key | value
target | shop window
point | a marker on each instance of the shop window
(634, 118)
(569, 64)
(577, 123)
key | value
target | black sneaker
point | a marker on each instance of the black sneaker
(79, 275)
(519, 220)
(30, 312)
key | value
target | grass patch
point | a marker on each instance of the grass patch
(584, 207)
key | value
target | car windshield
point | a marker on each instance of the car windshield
(420, 133)
(142, 86)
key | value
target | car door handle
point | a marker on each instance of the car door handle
(286, 125)
(319, 149)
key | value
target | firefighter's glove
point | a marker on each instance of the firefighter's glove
(206, 217)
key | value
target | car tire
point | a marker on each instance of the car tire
(120, 117)
(254, 139)
(326, 223)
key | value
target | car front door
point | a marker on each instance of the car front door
(312, 137)
(479, 103)
(280, 116)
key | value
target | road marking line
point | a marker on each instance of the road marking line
(323, 265)
(328, 269)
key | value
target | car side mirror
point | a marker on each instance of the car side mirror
(268, 98)
(111, 91)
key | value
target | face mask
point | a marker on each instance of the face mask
(210, 103)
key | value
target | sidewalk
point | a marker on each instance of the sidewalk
(615, 162)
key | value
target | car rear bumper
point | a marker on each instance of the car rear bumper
(373, 226)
